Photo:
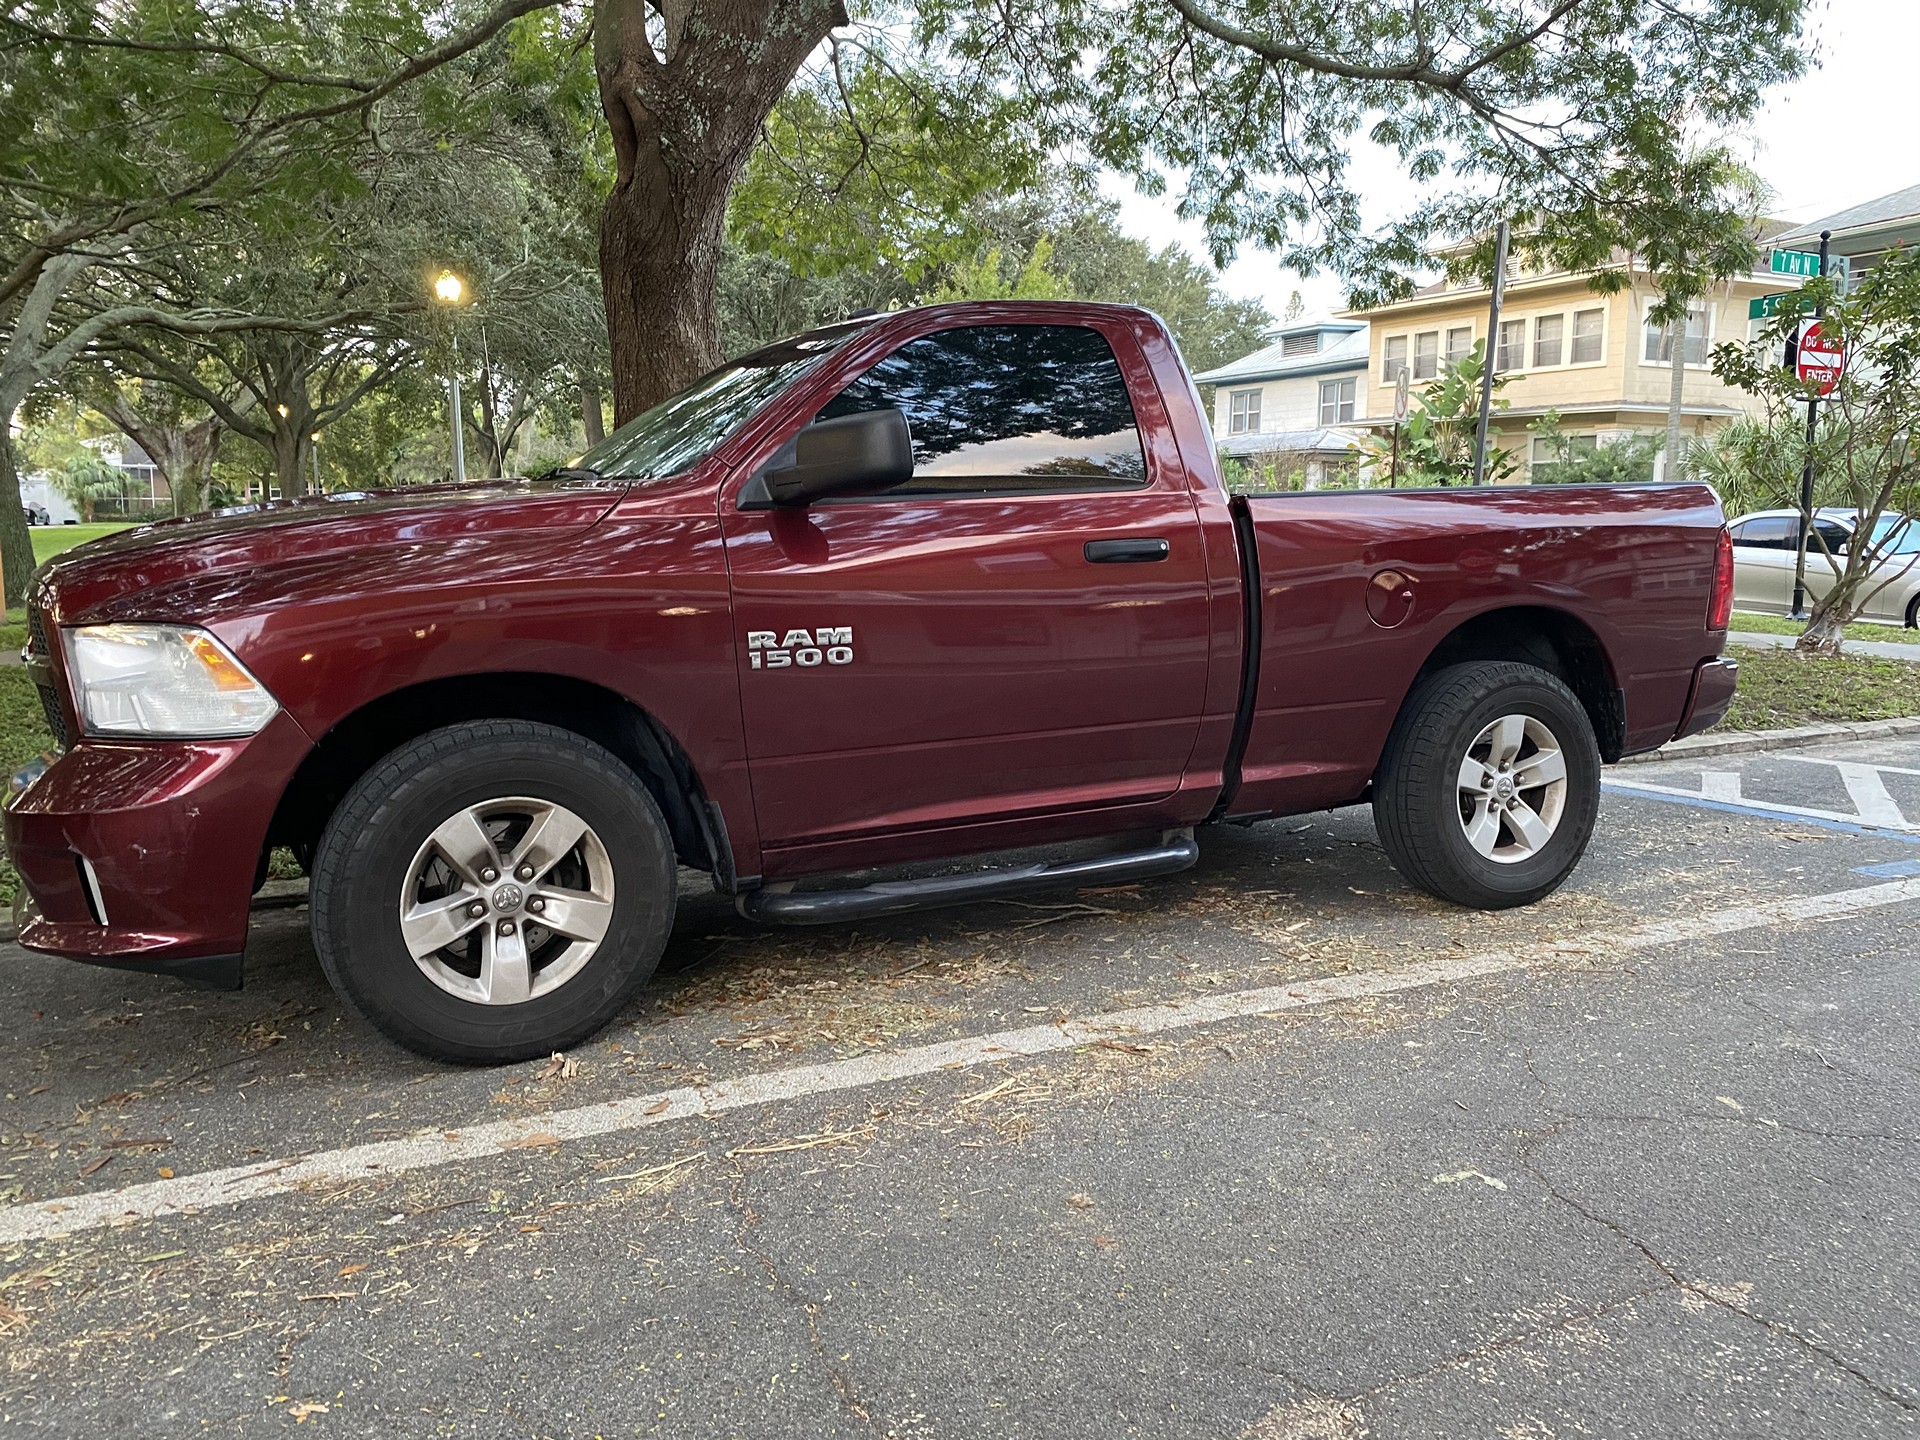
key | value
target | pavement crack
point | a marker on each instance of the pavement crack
(1715, 1296)
(842, 1383)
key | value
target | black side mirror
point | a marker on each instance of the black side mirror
(870, 450)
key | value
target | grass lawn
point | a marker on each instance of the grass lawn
(23, 735)
(1859, 630)
(1780, 688)
(50, 540)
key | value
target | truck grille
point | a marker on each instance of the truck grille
(49, 696)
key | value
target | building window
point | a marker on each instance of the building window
(1395, 352)
(1512, 354)
(1426, 355)
(1548, 333)
(1659, 340)
(1305, 344)
(1459, 343)
(1243, 412)
(1589, 341)
(1336, 401)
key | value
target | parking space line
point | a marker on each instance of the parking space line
(1869, 794)
(1826, 819)
(219, 1189)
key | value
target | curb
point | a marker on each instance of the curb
(1798, 737)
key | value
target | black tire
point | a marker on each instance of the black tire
(365, 861)
(1913, 613)
(1417, 805)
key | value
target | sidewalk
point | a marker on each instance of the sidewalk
(1878, 649)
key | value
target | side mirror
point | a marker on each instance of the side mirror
(870, 450)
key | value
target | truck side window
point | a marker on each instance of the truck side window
(1007, 409)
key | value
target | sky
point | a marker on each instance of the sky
(1842, 134)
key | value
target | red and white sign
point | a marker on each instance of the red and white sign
(1820, 361)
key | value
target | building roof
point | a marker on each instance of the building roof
(1327, 439)
(1345, 349)
(1898, 211)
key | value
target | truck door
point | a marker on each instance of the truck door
(1021, 629)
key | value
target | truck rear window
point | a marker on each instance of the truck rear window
(1021, 409)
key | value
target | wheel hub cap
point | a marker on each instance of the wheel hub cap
(1512, 789)
(497, 942)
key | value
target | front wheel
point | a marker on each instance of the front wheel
(1490, 784)
(493, 891)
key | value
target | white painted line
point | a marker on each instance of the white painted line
(191, 1194)
(1869, 795)
(1720, 784)
(1805, 812)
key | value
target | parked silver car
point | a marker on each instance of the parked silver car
(1763, 545)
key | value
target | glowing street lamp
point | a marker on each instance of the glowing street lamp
(450, 290)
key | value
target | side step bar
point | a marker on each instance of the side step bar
(778, 905)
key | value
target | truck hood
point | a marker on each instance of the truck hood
(282, 550)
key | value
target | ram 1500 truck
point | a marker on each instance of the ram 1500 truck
(949, 582)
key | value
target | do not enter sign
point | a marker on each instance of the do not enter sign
(1820, 360)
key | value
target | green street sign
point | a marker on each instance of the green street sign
(1806, 263)
(1766, 306)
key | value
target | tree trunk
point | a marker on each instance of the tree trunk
(289, 451)
(16, 541)
(1825, 629)
(659, 264)
(686, 90)
(591, 418)
(1676, 467)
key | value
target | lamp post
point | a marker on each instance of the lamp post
(449, 289)
(314, 441)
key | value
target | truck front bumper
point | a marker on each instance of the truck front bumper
(142, 854)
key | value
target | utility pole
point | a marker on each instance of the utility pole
(1486, 366)
(1806, 469)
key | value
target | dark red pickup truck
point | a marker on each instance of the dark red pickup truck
(942, 583)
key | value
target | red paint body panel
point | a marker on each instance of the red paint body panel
(1003, 690)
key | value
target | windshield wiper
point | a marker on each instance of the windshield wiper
(570, 472)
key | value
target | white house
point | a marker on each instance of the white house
(1296, 397)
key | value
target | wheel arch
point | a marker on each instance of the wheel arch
(1560, 643)
(358, 741)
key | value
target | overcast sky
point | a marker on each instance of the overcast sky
(1847, 132)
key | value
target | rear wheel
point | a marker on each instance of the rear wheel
(1490, 785)
(493, 891)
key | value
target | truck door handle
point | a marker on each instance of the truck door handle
(1126, 552)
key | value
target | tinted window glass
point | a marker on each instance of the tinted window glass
(679, 433)
(1025, 408)
(1835, 536)
(1773, 532)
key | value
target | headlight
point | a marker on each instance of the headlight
(162, 680)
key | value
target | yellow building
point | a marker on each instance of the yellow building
(1594, 358)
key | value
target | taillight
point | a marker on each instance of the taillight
(1720, 606)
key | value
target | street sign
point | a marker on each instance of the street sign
(1765, 307)
(1820, 360)
(1400, 396)
(1806, 262)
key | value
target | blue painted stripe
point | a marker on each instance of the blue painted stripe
(1731, 807)
(1891, 870)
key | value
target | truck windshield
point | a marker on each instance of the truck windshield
(679, 433)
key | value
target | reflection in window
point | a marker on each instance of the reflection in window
(1007, 407)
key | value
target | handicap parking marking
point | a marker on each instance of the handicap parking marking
(1875, 810)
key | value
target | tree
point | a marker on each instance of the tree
(1529, 108)
(130, 129)
(1437, 437)
(1689, 218)
(1865, 453)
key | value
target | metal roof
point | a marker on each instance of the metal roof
(1347, 351)
(1888, 210)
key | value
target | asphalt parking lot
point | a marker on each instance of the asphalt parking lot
(1274, 1150)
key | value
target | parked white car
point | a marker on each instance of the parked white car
(1763, 546)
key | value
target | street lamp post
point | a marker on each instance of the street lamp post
(449, 289)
